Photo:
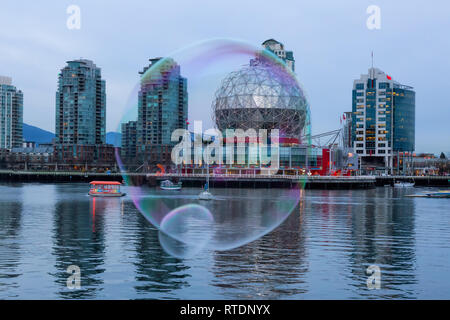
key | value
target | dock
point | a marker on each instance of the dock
(225, 180)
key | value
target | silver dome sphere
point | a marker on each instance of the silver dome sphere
(262, 95)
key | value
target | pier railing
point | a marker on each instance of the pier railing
(258, 176)
(216, 175)
(190, 176)
(23, 175)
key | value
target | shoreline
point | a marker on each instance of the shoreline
(226, 181)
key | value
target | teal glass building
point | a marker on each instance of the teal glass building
(11, 115)
(80, 105)
(404, 118)
(129, 136)
(162, 108)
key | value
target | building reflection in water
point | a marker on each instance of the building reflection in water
(383, 234)
(10, 244)
(156, 271)
(328, 243)
(79, 239)
(322, 250)
(272, 267)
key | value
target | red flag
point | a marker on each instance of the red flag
(343, 116)
(389, 77)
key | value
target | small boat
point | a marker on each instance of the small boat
(205, 195)
(105, 189)
(403, 184)
(169, 185)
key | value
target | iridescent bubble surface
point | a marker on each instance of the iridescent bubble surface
(208, 65)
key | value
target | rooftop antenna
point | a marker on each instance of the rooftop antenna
(372, 73)
(372, 59)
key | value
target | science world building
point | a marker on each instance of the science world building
(262, 95)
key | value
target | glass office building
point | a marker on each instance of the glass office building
(383, 120)
(162, 108)
(404, 118)
(11, 115)
(80, 104)
(129, 136)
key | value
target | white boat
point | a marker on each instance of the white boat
(403, 184)
(206, 195)
(169, 185)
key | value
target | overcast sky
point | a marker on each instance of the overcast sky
(331, 43)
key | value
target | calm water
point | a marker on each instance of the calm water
(321, 251)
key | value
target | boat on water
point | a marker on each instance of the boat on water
(169, 185)
(105, 189)
(205, 194)
(403, 184)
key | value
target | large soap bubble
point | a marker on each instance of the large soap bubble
(230, 85)
(186, 230)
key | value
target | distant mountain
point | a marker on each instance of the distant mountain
(114, 138)
(38, 135)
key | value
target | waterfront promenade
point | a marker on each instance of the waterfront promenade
(223, 180)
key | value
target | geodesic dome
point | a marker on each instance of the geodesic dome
(262, 95)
